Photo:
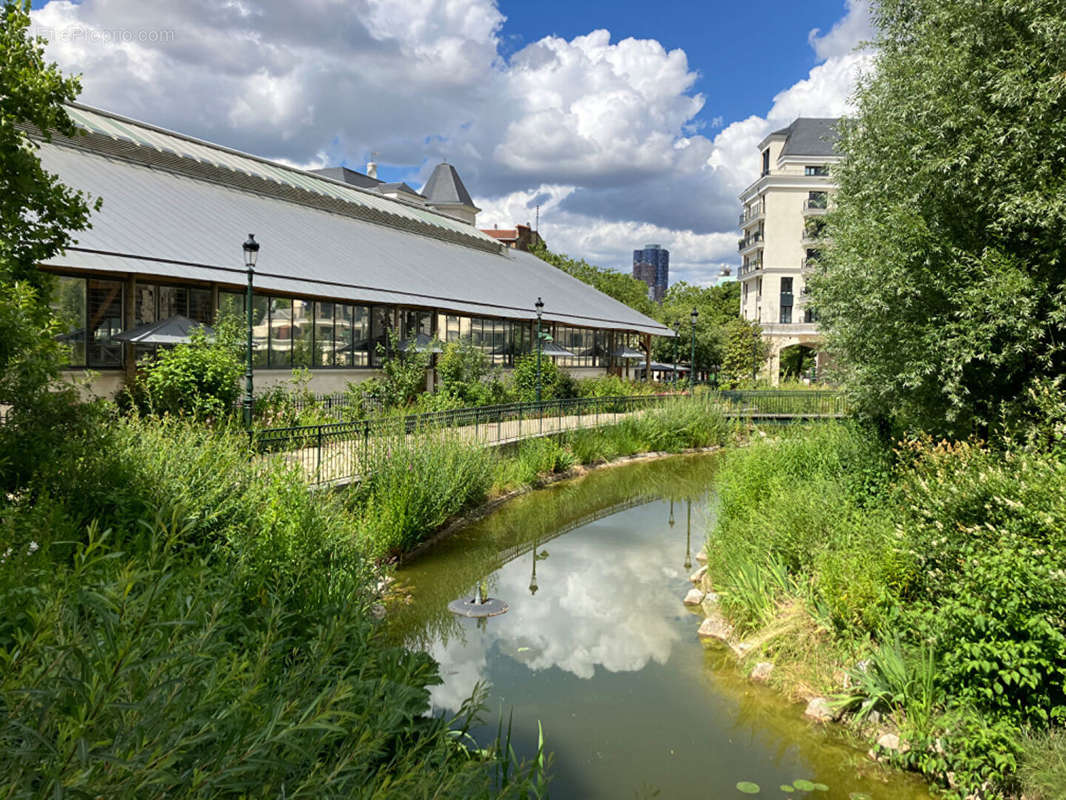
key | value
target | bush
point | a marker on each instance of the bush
(524, 379)
(199, 379)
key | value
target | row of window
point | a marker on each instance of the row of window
(290, 332)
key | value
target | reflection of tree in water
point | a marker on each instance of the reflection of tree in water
(455, 565)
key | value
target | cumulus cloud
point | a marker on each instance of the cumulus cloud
(606, 133)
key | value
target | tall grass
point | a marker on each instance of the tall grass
(181, 621)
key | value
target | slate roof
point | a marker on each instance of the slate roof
(810, 136)
(445, 186)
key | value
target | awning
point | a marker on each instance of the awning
(628, 352)
(175, 330)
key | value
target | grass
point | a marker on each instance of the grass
(923, 584)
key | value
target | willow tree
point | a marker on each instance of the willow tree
(942, 295)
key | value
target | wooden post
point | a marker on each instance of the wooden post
(645, 343)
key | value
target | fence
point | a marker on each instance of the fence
(340, 452)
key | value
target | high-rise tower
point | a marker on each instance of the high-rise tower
(652, 265)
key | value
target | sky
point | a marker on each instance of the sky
(627, 123)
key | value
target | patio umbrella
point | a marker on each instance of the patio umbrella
(552, 350)
(174, 330)
(420, 343)
(628, 352)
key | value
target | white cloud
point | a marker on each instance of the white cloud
(607, 131)
(855, 28)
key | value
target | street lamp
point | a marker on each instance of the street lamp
(677, 333)
(540, 308)
(251, 253)
(692, 367)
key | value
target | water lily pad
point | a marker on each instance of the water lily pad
(787, 788)
(821, 787)
(748, 787)
(804, 785)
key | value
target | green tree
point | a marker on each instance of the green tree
(623, 288)
(524, 379)
(746, 352)
(717, 307)
(942, 293)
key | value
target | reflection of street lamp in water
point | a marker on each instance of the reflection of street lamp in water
(533, 578)
(671, 519)
(688, 538)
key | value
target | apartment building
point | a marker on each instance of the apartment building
(782, 223)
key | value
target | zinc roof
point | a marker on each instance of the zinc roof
(168, 224)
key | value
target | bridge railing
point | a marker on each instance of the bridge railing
(341, 451)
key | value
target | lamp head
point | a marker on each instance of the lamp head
(251, 251)
(695, 315)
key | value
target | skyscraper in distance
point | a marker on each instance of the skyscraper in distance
(652, 265)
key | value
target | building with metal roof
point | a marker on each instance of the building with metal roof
(341, 265)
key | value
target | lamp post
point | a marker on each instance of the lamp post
(692, 366)
(540, 308)
(677, 332)
(251, 253)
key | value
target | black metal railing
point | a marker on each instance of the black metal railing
(340, 452)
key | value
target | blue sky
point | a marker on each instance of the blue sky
(718, 37)
(627, 122)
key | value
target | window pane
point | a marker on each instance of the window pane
(325, 330)
(360, 336)
(200, 305)
(260, 328)
(104, 306)
(173, 300)
(69, 307)
(230, 304)
(380, 326)
(303, 331)
(280, 333)
(144, 304)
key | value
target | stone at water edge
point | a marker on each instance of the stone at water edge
(701, 556)
(710, 604)
(715, 628)
(818, 710)
(762, 671)
(890, 741)
(377, 611)
(697, 576)
(694, 597)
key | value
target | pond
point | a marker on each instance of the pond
(598, 648)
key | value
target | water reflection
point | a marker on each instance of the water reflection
(598, 648)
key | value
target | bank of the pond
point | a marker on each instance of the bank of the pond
(920, 592)
(419, 486)
(543, 480)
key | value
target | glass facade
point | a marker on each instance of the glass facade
(290, 332)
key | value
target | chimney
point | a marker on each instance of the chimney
(372, 167)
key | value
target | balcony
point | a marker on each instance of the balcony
(749, 242)
(750, 268)
(753, 213)
(812, 237)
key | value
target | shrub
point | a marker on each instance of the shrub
(198, 379)
(524, 379)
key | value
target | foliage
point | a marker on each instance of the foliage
(198, 379)
(622, 287)
(746, 351)
(942, 293)
(524, 379)
(1042, 771)
(467, 378)
(413, 486)
(531, 461)
(38, 214)
(717, 305)
(403, 379)
(186, 623)
(941, 566)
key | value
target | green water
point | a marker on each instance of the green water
(599, 649)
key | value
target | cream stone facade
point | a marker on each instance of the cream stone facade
(781, 222)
